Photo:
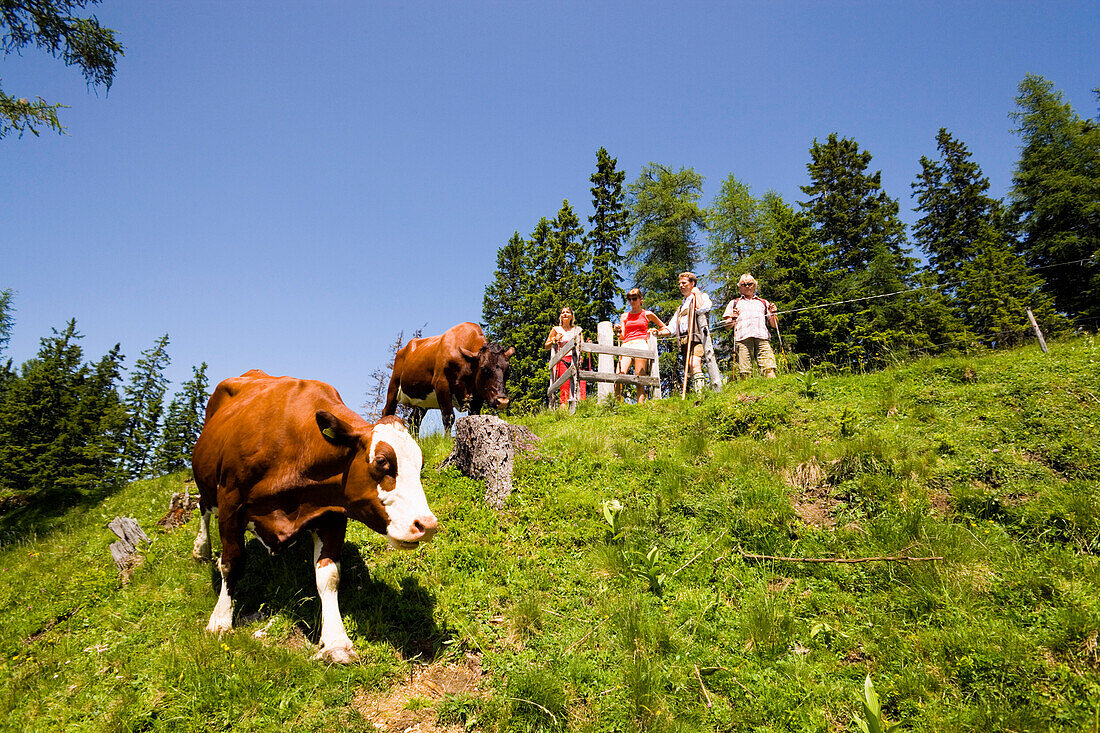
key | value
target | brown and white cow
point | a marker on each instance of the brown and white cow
(458, 368)
(279, 456)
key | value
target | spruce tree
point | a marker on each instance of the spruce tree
(144, 400)
(7, 320)
(605, 238)
(504, 304)
(99, 419)
(1056, 196)
(60, 422)
(970, 249)
(863, 241)
(34, 433)
(791, 275)
(182, 423)
(565, 272)
(513, 313)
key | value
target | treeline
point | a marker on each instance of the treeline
(851, 288)
(71, 428)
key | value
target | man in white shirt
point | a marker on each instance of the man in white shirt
(700, 348)
(749, 315)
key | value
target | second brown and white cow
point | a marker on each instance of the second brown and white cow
(280, 456)
(458, 368)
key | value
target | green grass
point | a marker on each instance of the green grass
(990, 461)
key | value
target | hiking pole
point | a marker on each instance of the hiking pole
(687, 354)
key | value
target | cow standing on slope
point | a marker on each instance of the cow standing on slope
(280, 456)
(455, 369)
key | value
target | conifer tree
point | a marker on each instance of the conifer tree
(513, 314)
(863, 240)
(791, 274)
(144, 402)
(565, 274)
(34, 414)
(182, 423)
(1056, 196)
(504, 305)
(60, 422)
(970, 250)
(733, 224)
(605, 238)
(99, 419)
(7, 321)
(665, 223)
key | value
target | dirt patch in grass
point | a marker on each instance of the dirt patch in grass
(411, 705)
(813, 502)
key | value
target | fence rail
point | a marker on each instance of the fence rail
(605, 375)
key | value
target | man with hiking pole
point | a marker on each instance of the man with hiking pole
(749, 315)
(691, 323)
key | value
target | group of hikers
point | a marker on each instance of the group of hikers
(748, 315)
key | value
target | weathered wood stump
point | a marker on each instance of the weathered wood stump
(129, 534)
(485, 449)
(180, 508)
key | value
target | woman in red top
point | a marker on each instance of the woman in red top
(634, 329)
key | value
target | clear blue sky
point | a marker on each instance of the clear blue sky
(288, 185)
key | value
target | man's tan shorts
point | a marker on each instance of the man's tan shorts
(754, 349)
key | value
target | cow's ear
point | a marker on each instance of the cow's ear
(472, 355)
(335, 430)
(508, 354)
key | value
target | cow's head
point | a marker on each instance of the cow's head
(492, 373)
(382, 483)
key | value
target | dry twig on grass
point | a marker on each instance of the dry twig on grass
(888, 558)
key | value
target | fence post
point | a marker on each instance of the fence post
(605, 363)
(1035, 325)
(655, 367)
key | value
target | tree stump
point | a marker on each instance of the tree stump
(180, 508)
(485, 449)
(129, 534)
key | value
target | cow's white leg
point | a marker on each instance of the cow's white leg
(335, 644)
(201, 550)
(221, 620)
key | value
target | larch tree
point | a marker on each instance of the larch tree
(53, 27)
(733, 226)
(1056, 196)
(666, 223)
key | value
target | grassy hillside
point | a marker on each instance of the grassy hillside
(554, 615)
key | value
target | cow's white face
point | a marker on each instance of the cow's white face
(399, 490)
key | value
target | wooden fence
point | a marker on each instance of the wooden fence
(605, 374)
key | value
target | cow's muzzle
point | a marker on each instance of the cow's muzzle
(501, 402)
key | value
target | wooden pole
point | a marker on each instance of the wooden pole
(687, 356)
(655, 367)
(1035, 325)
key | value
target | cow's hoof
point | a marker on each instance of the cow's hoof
(337, 654)
(218, 628)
